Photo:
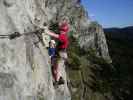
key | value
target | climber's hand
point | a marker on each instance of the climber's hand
(46, 30)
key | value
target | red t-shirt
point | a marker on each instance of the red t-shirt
(63, 39)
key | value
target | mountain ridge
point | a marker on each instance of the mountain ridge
(120, 33)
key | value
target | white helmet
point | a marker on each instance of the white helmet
(52, 41)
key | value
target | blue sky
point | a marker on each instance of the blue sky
(110, 13)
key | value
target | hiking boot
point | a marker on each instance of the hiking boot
(61, 81)
(55, 83)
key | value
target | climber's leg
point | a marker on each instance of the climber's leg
(58, 67)
(60, 71)
(61, 61)
(63, 55)
(56, 72)
(52, 66)
(55, 69)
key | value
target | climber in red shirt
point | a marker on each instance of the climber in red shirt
(61, 48)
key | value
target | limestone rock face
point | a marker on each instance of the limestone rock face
(93, 37)
(25, 71)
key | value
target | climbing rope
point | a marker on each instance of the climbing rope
(11, 36)
(17, 34)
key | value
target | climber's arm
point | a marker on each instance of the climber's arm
(51, 33)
